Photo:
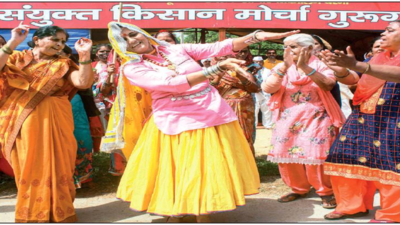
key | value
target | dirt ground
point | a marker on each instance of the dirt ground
(97, 203)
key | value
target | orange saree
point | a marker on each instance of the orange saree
(36, 136)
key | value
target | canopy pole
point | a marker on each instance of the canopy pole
(115, 53)
(222, 34)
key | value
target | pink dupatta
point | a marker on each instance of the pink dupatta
(331, 106)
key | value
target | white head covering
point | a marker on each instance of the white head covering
(119, 44)
(258, 58)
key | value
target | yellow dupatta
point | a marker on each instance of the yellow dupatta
(132, 105)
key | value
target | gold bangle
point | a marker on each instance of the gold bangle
(6, 47)
(366, 70)
(85, 62)
(7, 50)
(348, 73)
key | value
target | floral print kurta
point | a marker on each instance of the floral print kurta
(303, 131)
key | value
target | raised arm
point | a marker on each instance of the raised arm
(83, 78)
(259, 36)
(18, 35)
(230, 46)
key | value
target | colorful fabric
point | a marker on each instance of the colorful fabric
(300, 178)
(367, 146)
(164, 85)
(355, 195)
(345, 95)
(36, 136)
(196, 172)
(83, 164)
(304, 129)
(329, 102)
(109, 99)
(369, 88)
(5, 167)
(242, 104)
(173, 112)
(118, 162)
(127, 117)
(270, 65)
(261, 100)
(94, 116)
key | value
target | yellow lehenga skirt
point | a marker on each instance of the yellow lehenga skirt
(195, 172)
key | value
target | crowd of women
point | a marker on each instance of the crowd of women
(181, 135)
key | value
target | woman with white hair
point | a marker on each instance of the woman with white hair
(307, 119)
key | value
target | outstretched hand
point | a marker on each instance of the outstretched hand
(264, 36)
(339, 58)
(18, 35)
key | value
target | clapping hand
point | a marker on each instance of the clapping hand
(339, 58)
(287, 59)
(304, 57)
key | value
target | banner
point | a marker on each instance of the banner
(288, 15)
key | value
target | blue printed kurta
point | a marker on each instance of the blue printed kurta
(368, 146)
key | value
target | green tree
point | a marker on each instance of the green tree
(213, 36)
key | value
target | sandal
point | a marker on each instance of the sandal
(291, 197)
(340, 216)
(328, 202)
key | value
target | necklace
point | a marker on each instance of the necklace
(169, 66)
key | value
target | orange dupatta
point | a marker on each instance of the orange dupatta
(20, 92)
(369, 88)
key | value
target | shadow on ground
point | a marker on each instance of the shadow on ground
(7, 208)
(256, 210)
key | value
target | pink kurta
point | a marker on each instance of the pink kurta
(177, 107)
(303, 132)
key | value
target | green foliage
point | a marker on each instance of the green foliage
(101, 164)
(266, 168)
(7, 185)
(213, 36)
